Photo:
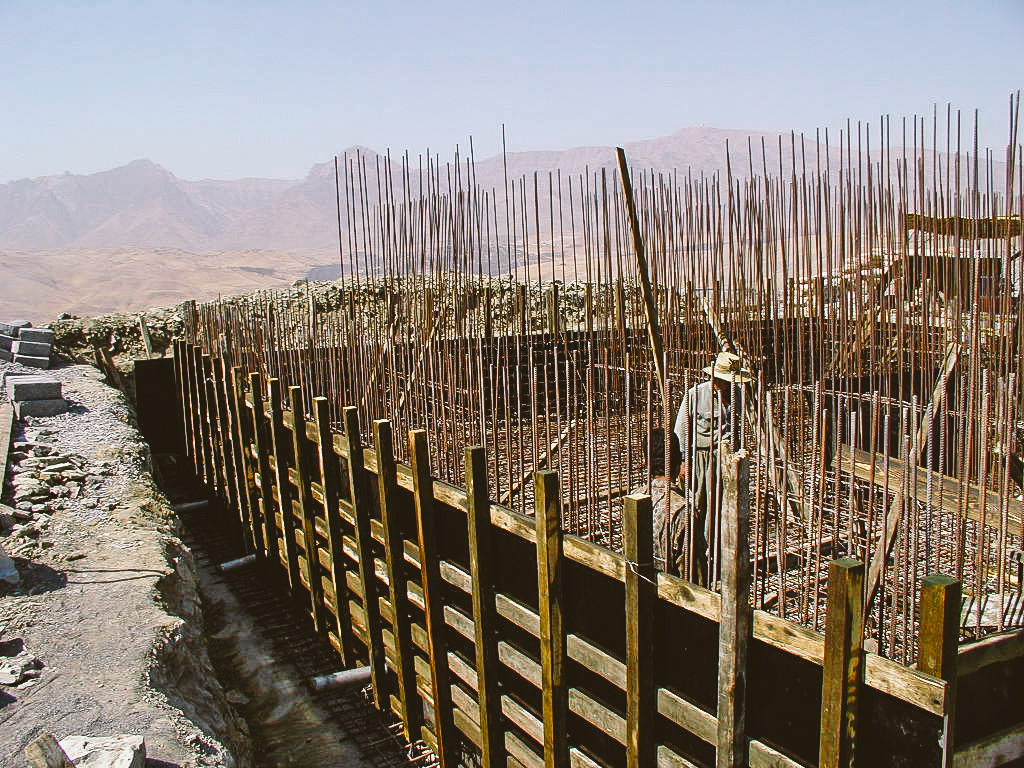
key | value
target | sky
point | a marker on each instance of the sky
(228, 90)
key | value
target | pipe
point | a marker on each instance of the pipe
(190, 506)
(240, 562)
(343, 679)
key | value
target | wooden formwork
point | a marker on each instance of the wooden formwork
(494, 633)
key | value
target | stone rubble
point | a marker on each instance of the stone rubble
(123, 751)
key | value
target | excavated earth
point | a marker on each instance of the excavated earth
(106, 622)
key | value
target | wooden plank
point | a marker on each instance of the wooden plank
(937, 643)
(332, 531)
(947, 491)
(221, 435)
(198, 413)
(966, 228)
(481, 566)
(734, 629)
(994, 649)
(364, 546)
(1000, 748)
(430, 570)
(842, 673)
(909, 685)
(216, 474)
(554, 692)
(641, 594)
(287, 531)
(383, 440)
(303, 505)
(181, 356)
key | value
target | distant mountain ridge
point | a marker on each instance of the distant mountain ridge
(145, 205)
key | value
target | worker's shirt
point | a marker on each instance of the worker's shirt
(703, 420)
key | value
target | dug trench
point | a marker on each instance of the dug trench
(121, 621)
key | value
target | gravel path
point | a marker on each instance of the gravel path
(104, 630)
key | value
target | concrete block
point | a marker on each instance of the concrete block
(6, 342)
(34, 348)
(33, 361)
(40, 407)
(12, 328)
(7, 355)
(44, 335)
(125, 751)
(32, 388)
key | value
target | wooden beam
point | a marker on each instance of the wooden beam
(893, 514)
(1002, 748)
(263, 446)
(641, 598)
(843, 670)
(430, 570)
(398, 593)
(554, 687)
(241, 438)
(937, 644)
(305, 506)
(482, 569)
(284, 496)
(330, 482)
(643, 269)
(1006, 646)
(735, 627)
(361, 508)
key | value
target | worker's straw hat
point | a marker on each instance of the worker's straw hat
(729, 367)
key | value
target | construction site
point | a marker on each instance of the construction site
(535, 341)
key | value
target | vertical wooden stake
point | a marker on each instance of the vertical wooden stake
(843, 670)
(331, 483)
(641, 596)
(394, 557)
(430, 567)
(181, 373)
(242, 440)
(938, 644)
(554, 691)
(221, 434)
(196, 379)
(304, 500)
(481, 566)
(263, 445)
(284, 496)
(735, 627)
(209, 400)
(364, 544)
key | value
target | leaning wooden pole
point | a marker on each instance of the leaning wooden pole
(643, 269)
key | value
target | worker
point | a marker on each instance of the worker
(667, 500)
(707, 419)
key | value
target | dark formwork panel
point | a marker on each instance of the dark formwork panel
(158, 405)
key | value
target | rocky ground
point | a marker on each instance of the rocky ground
(103, 633)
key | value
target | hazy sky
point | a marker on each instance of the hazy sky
(226, 90)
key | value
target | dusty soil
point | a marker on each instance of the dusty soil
(107, 601)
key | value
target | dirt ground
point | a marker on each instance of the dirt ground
(107, 602)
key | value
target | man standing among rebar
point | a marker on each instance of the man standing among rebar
(707, 419)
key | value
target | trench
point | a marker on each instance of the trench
(265, 653)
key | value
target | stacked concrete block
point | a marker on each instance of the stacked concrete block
(35, 396)
(20, 343)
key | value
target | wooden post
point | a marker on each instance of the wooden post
(488, 318)
(843, 669)
(304, 498)
(938, 644)
(284, 497)
(181, 373)
(215, 471)
(430, 569)
(198, 412)
(263, 446)
(221, 434)
(481, 566)
(641, 596)
(364, 545)
(331, 482)
(242, 440)
(554, 312)
(735, 627)
(394, 557)
(554, 690)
